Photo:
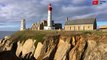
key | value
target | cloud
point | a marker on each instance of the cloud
(45, 2)
(78, 1)
(75, 9)
(12, 11)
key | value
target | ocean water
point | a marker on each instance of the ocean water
(5, 33)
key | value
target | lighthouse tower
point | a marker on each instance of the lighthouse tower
(49, 15)
(23, 25)
(49, 20)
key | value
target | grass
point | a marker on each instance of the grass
(22, 36)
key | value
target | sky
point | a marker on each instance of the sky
(12, 11)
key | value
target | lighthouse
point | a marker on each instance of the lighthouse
(23, 25)
(49, 15)
(49, 20)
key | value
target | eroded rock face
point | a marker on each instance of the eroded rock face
(38, 50)
(5, 45)
(62, 48)
(19, 49)
(25, 48)
(49, 48)
(56, 47)
(77, 51)
(96, 51)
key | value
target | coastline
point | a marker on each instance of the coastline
(5, 33)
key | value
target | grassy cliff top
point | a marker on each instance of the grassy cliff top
(39, 35)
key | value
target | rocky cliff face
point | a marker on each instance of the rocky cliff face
(5, 45)
(25, 48)
(90, 46)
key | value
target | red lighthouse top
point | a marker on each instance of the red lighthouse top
(49, 7)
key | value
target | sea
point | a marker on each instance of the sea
(5, 33)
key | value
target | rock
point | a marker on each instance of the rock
(5, 45)
(96, 51)
(19, 49)
(63, 48)
(7, 37)
(72, 54)
(25, 48)
(49, 48)
(38, 50)
(78, 50)
(28, 47)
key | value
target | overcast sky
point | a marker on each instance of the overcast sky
(12, 11)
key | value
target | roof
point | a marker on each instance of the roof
(81, 21)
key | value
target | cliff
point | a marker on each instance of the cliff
(55, 45)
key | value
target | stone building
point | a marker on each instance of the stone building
(80, 24)
(40, 25)
(35, 26)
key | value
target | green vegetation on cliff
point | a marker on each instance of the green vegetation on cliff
(24, 35)
(39, 35)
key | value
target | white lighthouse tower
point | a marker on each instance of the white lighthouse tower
(49, 20)
(49, 15)
(23, 25)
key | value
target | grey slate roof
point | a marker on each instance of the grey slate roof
(81, 21)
